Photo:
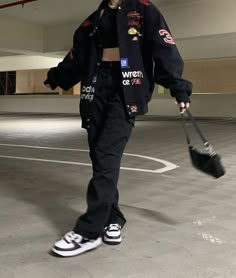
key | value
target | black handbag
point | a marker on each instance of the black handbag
(209, 161)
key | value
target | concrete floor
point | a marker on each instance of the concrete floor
(181, 223)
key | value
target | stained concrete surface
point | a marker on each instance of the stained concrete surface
(181, 223)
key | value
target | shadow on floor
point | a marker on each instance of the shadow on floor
(151, 215)
(47, 188)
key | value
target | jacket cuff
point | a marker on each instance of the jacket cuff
(51, 80)
(183, 93)
(182, 97)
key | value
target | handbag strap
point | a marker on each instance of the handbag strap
(185, 129)
(196, 126)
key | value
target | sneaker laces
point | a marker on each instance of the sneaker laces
(114, 226)
(72, 236)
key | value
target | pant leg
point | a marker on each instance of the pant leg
(96, 124)
(108, 150)
(116, 216)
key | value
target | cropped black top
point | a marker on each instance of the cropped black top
(108, 28)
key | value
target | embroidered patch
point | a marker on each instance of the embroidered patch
(134, 14)
(132, 78)
(133, 23)
(134, 109)
(86, 23)
(166, 36)
(87, 93)
(124, 63)
(145, 2)
(133, 31)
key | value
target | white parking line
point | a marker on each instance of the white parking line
(168, 165)
(41, 147)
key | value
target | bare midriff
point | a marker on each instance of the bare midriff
(111, 54)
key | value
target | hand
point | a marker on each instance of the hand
(183, 106)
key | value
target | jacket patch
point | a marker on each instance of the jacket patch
(134, 14)
(132, 78)
(133, 23)
(124, 63)
(132, 31)
(166, 36)
(145, 2)
(85, 96)
(87, 23)
(134, 109)
(87, 93)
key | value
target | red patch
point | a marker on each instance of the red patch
(134, 14)
(167, 36)
(87, 23)
(145, 2)
(134, 109)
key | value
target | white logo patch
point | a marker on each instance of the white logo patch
(132, 78)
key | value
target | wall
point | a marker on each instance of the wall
(31, 81)
(212, 76)
(203, 105)
(19, 36)
(24, 62)
(39, 104)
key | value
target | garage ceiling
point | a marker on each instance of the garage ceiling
(203, 29)
(51, 12)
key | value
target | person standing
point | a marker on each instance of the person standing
(119, 52)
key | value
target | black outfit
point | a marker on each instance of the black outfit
(108, 132)
(108, 129)
(148, 55)
(112, 93)
(108, 28)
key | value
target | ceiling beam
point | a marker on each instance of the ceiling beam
(17, 3)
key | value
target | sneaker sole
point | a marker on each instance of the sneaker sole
(110, 241)
(86, 248)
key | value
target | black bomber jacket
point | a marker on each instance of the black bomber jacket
(148, 56)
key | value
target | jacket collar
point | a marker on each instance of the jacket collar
(103, 4)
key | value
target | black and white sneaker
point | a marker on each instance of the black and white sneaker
(73, 244)
(112, 234)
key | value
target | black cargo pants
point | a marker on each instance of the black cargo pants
(108, 130)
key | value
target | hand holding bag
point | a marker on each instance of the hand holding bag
(208, 162)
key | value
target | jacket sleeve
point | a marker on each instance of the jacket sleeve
(168, 64)
(69, 72)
